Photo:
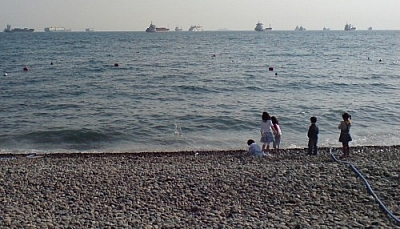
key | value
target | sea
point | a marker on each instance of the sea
(119, 92)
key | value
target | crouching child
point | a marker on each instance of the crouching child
(254, 149)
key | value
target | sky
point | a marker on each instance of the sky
(136, 15)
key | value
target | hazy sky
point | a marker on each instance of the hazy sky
(136, 15)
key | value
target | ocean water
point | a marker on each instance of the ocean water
(194, 91)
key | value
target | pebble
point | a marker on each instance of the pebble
(219, 189)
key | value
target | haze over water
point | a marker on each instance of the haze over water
(170, 93)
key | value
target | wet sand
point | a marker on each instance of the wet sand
(215, 189)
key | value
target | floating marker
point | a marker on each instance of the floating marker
(116, 65)
(26, 69)
(51, 63)
(276, 73)
(271, 68)
(5, 74)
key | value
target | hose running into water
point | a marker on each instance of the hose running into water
(370, 191)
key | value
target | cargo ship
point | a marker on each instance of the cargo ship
(8, 29)
(56, 29)
(152, 28)
(349, 27)
(300, 28)
(260, 27)
(195, 28)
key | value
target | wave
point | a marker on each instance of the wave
(64, 139)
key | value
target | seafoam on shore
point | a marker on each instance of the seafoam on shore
(222, 189)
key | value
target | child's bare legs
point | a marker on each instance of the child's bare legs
(345, 150)
(276, 148)
(263, 147)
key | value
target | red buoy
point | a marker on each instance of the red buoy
(26, 69)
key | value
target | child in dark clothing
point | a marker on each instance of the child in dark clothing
(345, 136)
(312, 134)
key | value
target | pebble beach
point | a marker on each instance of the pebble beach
(213, 189)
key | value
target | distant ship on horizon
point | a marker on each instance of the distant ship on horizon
(152, 28)
(300, 28)
(89, 30)
(56, 29)
(349, 27)
(8, 29)
(195, 28)
(260, 27)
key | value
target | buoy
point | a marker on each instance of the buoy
(276, 73)
(5, 74)
(116, 65)
(26, 69)
(51, 63)
(380, 60)
(213, 55)
(271, 68)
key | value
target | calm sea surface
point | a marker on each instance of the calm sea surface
(171, 93)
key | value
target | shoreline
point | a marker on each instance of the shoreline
(222, 189)
(183, 152)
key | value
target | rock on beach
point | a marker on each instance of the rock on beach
(213, 189)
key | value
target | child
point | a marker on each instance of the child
(312, 134)
(277, 133)
(254, 149)
(266, 132)
(345, 136)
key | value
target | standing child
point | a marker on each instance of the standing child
(266, 132)
(312, 134)
(345, 136)
(277, 133)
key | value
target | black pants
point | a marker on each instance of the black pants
(312, 145)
